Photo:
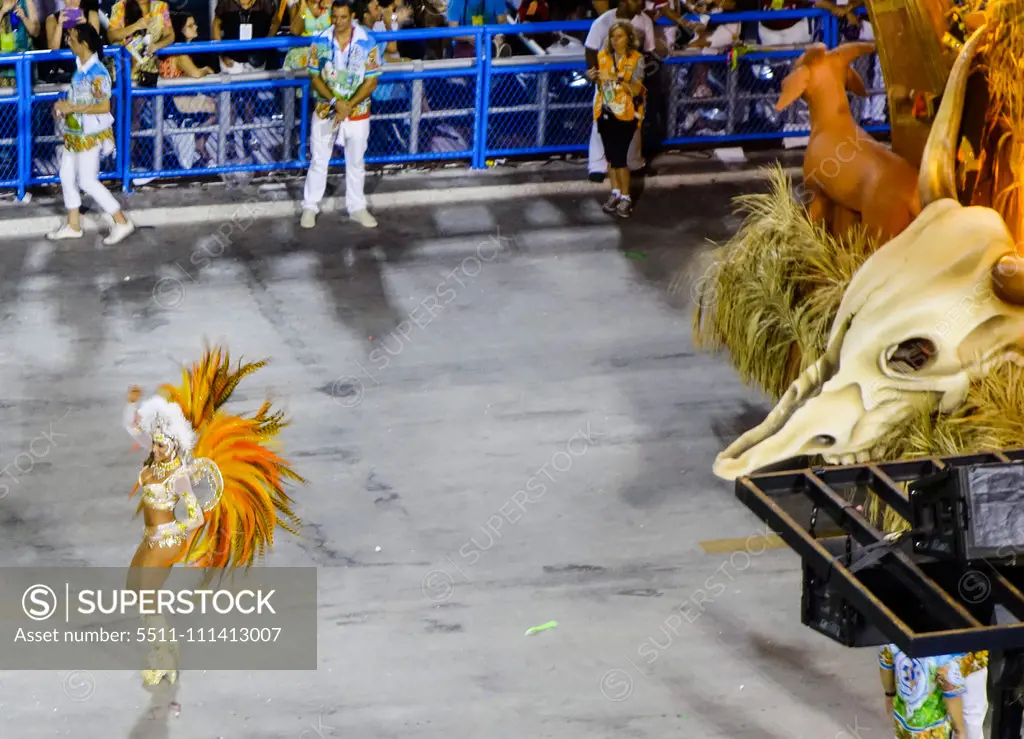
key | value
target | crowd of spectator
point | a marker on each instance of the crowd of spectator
(145, 26)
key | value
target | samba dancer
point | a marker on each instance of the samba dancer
(190, 441)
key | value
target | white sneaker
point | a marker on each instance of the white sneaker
(64, 232)
(119, 233)
(308, 219)
(363, 218)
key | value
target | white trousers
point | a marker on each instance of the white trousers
(80, 171)
(975, 703)
(596, 163)
(797, 35)
(323, 134)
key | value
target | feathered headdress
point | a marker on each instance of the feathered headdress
(165, 421)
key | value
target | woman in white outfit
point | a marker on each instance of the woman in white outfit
(88, 135)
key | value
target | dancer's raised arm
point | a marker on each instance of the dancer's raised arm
(131, 418)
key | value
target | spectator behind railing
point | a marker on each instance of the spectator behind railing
(420, 14)
(533, 11)
(536, 11)
(666, 36)
(718, 39)
(186, 30)
(309, 18)
(69, 14)
(377, 16)
(790, 32)
(398, 15)
(19, 23)
(474, 13)
(143, 27)
(242, 20)
(856, 27)
(186, 111)
(426, 14)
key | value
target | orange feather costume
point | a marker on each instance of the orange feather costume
(239, 522)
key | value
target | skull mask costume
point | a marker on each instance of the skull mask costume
(920, 317)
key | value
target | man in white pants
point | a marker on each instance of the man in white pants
(344, 64)
(628, 10)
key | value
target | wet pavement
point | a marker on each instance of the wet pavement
(435, 369)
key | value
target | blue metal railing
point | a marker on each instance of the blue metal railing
(456, 109)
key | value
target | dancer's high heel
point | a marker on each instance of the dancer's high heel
(155, 677)
(163, 663)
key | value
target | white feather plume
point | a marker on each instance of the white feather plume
(158, 415)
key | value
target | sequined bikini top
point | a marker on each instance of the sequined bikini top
(160, 496)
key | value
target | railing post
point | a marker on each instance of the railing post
(672, 114)
(23, 81)
(483, 96)
(415, 110)
(542, 107)
(225, 112)
(288, 97)
(158, 134)
(830, 31)
(124, 84)
(732, 79)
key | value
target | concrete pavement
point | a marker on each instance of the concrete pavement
(279, 194)
(435, 369)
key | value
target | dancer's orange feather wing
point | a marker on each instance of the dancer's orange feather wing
(240, 526)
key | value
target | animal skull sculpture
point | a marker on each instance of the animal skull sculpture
(919, 317)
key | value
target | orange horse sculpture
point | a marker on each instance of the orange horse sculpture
(849, 177)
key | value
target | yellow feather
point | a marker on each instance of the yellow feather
(253, 503)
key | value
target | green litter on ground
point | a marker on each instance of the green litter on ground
(634, 255)
(543, 627)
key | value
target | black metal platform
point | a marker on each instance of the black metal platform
(924, 606)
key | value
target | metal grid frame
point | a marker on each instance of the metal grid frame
(956, 626)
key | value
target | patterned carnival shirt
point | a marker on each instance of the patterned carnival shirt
(922, 687)
(90, 85)
(344, 70)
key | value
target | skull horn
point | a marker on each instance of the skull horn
(1008, 278)
(938, 161)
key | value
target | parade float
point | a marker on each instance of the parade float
(849, 278)
(879, 302)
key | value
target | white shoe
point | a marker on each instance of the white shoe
(308, 219)
(64, 232)
(363, 218)
(119, 233)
